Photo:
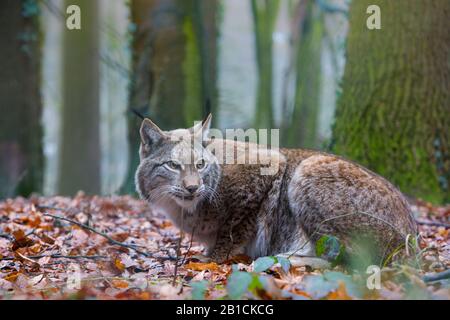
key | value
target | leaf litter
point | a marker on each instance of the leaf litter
(91, 247)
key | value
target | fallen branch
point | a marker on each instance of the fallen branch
(433, 223)
(84, 226)
(437, 276)
(55, 256)
(175, 273)
(190, 246)
(6, 236)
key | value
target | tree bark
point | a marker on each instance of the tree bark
(21, 156)
(80, 155)
(302, 131)
(264, 17)
(174, 70)
(394, 114)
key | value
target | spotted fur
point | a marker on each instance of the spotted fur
(243, 211)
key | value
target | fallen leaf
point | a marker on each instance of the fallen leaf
(340, 293)
(199, 266)
(119, 265)
(120, 284)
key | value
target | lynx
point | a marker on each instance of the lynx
(231, 208)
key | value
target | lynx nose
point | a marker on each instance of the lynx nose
(192, 188)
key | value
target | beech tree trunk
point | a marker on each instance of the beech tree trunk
(80, 155)
(264, 17)
(394, 114)
(21, 157)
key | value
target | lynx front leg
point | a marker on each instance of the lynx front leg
(232, 238)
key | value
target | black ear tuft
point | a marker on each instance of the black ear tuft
(150, 132)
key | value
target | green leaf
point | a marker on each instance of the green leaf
(353, 288)
(330, 248)
(263, 263)
(285, 263)
(238, 284)
(199, 289)
(257, 282)
(318, 287)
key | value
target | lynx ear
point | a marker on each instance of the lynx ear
(206, 124)
(150, 132)
(203, 127)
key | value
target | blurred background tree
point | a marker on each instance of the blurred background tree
(301, 128)
(174, 52)
(264, 14)
(393, 115)
(79, 150)
(21, 155)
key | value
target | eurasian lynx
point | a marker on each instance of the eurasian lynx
(234, 209)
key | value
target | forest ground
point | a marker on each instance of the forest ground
(123, 250)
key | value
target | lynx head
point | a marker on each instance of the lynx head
(175, 166)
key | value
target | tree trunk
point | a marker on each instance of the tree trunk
(21, 158)
(79, 166)
(174, 70)
(394, 114)
(302, 131)
(264, 17)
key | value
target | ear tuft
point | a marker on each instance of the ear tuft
(201, 129)
(206, 123)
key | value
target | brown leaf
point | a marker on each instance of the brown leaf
(340, 293)
(21, 240)
(199, 266)
(119, 265)
(34, 223)
(12, 276)
(120, 236)
(120, 284)
(47, 239)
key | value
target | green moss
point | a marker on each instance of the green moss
(395, 102)
(264, 14)
(303, 127)
(192, 74)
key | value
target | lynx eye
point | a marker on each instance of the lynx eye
(173, 165)
(200, 164)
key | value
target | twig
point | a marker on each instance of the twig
(175, 273)
(437, 276)
(433, 223)
(190, 246)
(111, 240)
(55, 256)
(6, 236)
(25, 258)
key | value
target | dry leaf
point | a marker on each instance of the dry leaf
(199, 266)
(120, 284)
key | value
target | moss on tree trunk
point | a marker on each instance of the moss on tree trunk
(264, 14)
(302, 129)
(21, 157)
(394, 114)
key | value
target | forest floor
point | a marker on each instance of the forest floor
(116, 248)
